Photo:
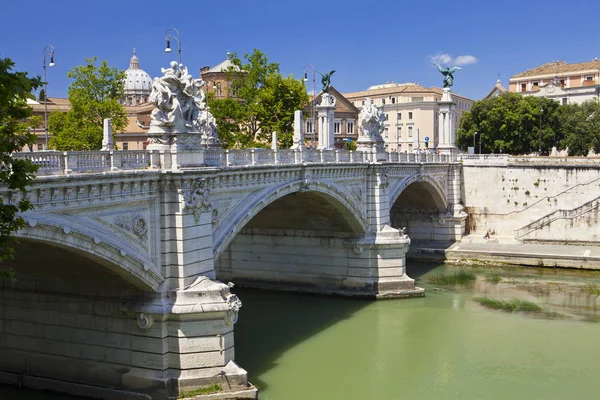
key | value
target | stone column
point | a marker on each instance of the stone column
(298, 130)
(184, 336)
(379, 258)
(447, 133)
(107, 140)
(325, 116)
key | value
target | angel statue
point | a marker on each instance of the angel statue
(326, 80)
(448, 74)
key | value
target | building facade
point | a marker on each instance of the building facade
(216, 80)
(411, 113)
(345, 120)
(558, 80)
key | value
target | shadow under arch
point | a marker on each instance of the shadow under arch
(333, 195)
(101, 247)
(419, 204)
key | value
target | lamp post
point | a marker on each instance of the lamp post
(48, 51)
(168, 37)
(474, 136)
(540, 136)
(310, 68)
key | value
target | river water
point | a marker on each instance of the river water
(443, 346)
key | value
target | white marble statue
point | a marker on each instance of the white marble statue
(371, 120)
(180, 103)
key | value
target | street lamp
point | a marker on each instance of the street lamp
(48, 51)
(168, 37)
(474, 135)
(310, 68)
(540, 136)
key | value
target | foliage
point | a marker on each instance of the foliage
(510, 123)
(454, 278)
(94, 95)
(42, 95)
(214, 388)
(15, 174)
(509, 305)
(264, 102)
(580, 128)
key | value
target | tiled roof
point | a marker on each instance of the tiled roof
(399, 89)
(558, 67)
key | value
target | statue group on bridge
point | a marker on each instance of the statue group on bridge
(180, 105)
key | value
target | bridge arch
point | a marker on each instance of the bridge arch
(419, 204)
(98, 245)
(333, 194)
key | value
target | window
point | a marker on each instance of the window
(589, 78)
(310, 126)
(386, 116)
(536, 84)
(399, 132)
(563, 100)
(363, 102)
(383, 101)
(219, 92)
(410, 115)
(393, 100)
(410, 147)
(523, 87)
(144, 145)
(562, 83)
(125, 146)
(350, 127)
(410, 129)
(386, 132)
(336, 127)
(399, 116)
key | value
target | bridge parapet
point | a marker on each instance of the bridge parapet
(82, 162)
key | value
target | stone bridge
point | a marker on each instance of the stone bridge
(119, 266)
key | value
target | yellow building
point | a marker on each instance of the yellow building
(566, 83)
(411, 113)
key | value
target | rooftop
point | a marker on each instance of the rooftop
(559, 67)
(398, 88)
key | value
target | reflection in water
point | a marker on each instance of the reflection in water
(444, 346)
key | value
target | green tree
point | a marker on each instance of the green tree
(580, 126)
(42, 95)
(264, 102)
(94, 95)
(510, 123)
(15, 174)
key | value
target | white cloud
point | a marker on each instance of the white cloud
(447, 60)
(465, 60)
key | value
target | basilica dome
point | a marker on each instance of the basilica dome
(138, 83)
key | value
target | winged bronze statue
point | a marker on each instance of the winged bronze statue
(326, 80)
(448, 74)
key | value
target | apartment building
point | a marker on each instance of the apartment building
(411, 113)
(558, 80)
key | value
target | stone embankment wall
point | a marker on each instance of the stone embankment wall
(529, 200)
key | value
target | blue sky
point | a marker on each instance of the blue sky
(367, 43)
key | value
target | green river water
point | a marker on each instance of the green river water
(443, 346)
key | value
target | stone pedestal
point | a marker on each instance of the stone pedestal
(177, 150)
(107, 140)
(447, 127)
(326, 119)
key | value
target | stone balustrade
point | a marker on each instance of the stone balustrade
(80, 162)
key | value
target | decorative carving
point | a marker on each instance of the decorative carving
(371, 119)
(404, 235)
(327, 100)
(197, 199)
(133, 223)
(305, 185)
(234, 304)
(180, 109)
(358, 249)
(145, 321)
(384, 180)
